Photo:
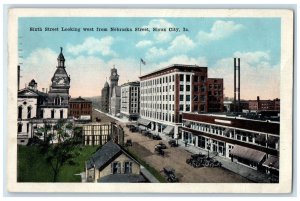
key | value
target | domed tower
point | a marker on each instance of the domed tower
(58, 96)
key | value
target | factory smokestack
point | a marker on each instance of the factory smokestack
(18, 77)
(237, 86)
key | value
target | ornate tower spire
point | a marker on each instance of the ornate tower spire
(61, 59)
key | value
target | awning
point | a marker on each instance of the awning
(144, 122)
(248, 153)
(272, 162)
(168, 130)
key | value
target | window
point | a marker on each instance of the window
(20, 127)
(188, 87)
(28, 112)
(127, 167)
(195, 88)
(52, 114)
(195, 78)
(20, 109)
(188, 78)
(195, 108)
(187, 108)
(195, 98)
(57, 101)
(61, 114)
(116, 168)
(181, 97)
(180, 107)
(42, 113)
(27, 130)
(188, 98)
(181, 77)
(181, 87)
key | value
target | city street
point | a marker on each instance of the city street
(175, 157)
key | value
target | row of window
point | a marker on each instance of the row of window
(240, 135)
(157, 89)
(78, 106)
(158, 115)
(20, 112)
(157, 106)
(158, 98)
(156, 81)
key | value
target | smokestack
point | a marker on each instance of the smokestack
(234, 87)
(18, 77)
(239, 85)
(237, 88)
(257, 98)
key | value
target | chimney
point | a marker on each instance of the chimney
(257, 98)
(18, 77)
(237, 88)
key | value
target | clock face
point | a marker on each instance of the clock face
(60, 81)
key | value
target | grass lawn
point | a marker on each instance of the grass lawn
(32, 166)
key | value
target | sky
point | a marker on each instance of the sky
(209, 42)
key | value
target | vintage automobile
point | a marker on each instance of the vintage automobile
(170, 174)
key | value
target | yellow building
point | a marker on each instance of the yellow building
(112, 163)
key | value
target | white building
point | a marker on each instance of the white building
(130, 100)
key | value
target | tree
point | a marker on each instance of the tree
(59, 146)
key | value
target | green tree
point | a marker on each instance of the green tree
(59, 146)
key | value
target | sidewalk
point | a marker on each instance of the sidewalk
(242, 170)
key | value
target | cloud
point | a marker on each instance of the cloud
(159, 36)
(93, 46)
(258, 76)
(143, 43)
(88, 73)
(220, 30)
(181, 44)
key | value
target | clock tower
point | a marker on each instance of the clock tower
(114, 78)
(60, 84)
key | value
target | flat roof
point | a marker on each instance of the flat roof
(185, 66)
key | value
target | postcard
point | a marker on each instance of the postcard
(150, 100)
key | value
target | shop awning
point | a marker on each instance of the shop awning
(168, 130)
(143, 122)
(248, 153)
(272, 162)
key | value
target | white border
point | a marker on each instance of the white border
(285, 88)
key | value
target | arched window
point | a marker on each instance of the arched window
(20, 109)
(29, 112)
(57, 100)
(20, 125)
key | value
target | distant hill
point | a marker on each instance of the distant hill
(96, 101)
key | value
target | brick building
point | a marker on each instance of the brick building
(264, 105)
(80, 108)
(215, 95)
(130, 99)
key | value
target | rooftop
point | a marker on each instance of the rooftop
(175, 66)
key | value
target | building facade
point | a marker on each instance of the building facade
(29, 100)
(264, 105)
(35, 108)
(115, 105)
(215, 95)
(245, 141)
(168, 92)
(130, 100)
(80, 109)
(111, 163)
